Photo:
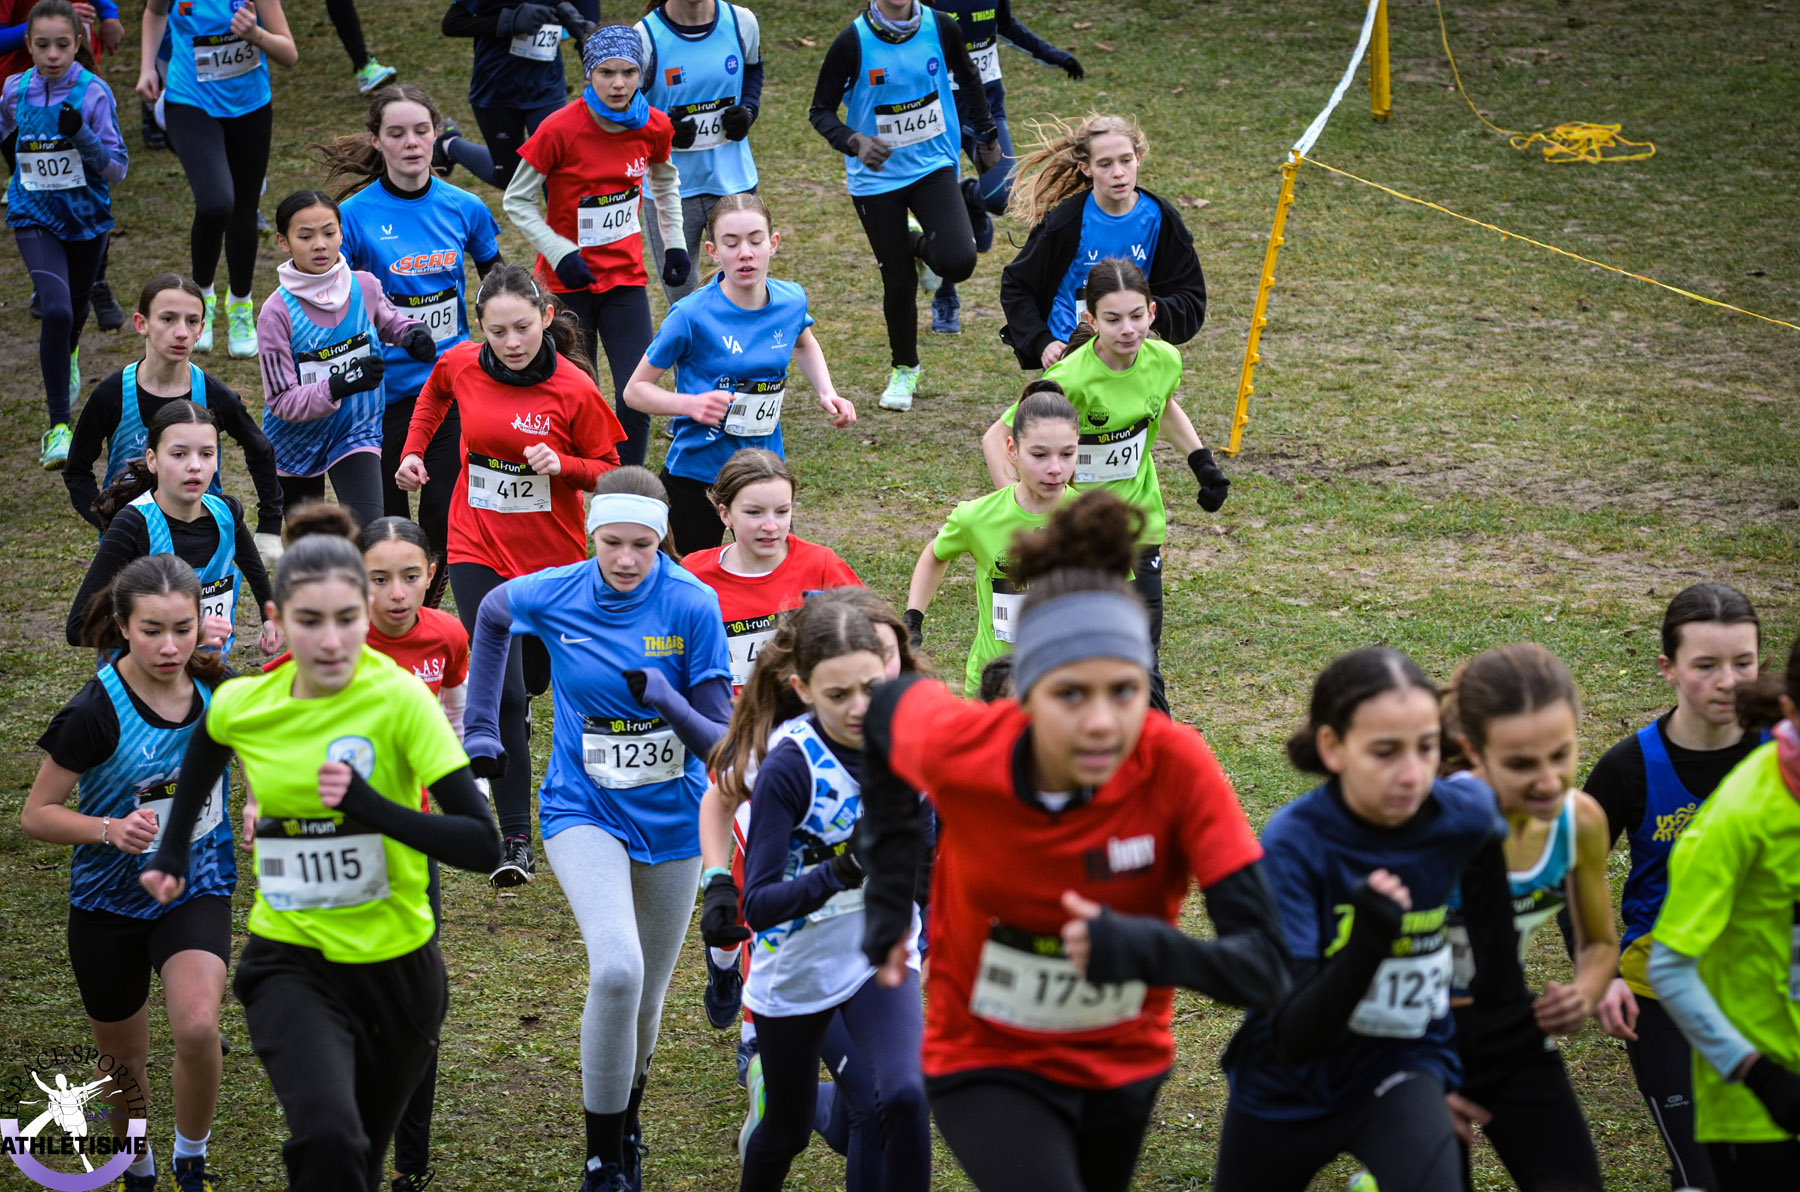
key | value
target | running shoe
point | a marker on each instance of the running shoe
(899, 392)
(930, 282)
(442, 164)
(107, 311)
(1362, 1181)
(191, 1176)
(753, 1083)
(372, 75)
(724, 996)
(37, 306)
(204, 343)
(516, 865)
(605, 1178)
(240, 328)
(413, 1181)
(75, 374)
(946, 316)
(980, 221)
(746, 1051)
(134, 1183)
(632, 1169)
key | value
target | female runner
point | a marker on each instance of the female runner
(731, 344)
(118, 743)
(219, 118)
(536, 435)
(1723, 963)
(1123, 383)
(1651, 785)
(168, 317)
(516, 80)
(592, 161)
(1513, 712)
(642, 688)
(1050, 1013)
(67, 155)
(703, 66)
(1362, 1057)
(1040, 451)
(894, 67)
(161, 506)
(418, 234)
(1078, 192)
(342, 984)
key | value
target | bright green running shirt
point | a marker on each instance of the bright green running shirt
(984, 528)
(1733, 901)
(358, 898)
(1121, 415)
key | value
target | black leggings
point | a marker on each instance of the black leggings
(63, 273)
(619, 319)
(349, 30)
(355, 480)
(412, 1137)
(1146, 577)
(1016, 1132)
(344, 1046)
(443, 463)
(470, 583)
(693, 518)
(504, 130)
(225, 159)
(947, 245)
(1755, 1166)
(1401, 1132)
(1663, 1063)
(1538, 1130)
(886, 1026)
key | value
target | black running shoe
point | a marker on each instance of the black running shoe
(107, 311)
(154, 136)
(724, 995)
(516, 865)
(980, 222)
(442, 164)
(632, 1169)
(413, 1181)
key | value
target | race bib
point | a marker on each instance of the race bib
(218, 598)
(903, 124)
(1025, 981)
(539, 45)
(313, 865)
(160, 797)
(709, 125)
(620, 754)
(221, 56)
(986, 58)
(321, 364)
(756, 410)
(437, 311)
(502, 486)
(1112, 454)
(1006, 609)
(50, 163)
(606, 219)
(1406, 996)
(844, 902)
(745, 640)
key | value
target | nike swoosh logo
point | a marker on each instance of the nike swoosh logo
(569, 641)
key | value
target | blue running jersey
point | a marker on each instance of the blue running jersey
(51, 187)
(1129, 237)
(902, 94)
(210, 69)
(131, 436)
(220, 577)
(700, 79)
(308, 448)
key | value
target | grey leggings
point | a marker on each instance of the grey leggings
(633, 918)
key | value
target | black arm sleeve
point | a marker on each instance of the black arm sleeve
(464, 836)
(201, 766)
(753, 86)
(892, 829)
(249, 562)
(971, 96)
(1499, 983)
(259, 455)
(460, 22)
(1245, 966)
(1176, 281)
(483, 268)
(1616, 782)
(1028, 285)
(842, 61)
(1326, 993)
(124, 540)
(99, 419)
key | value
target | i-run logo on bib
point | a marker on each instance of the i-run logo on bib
(64, 1096)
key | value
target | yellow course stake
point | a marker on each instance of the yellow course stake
(1381, 96)
(1259, 316)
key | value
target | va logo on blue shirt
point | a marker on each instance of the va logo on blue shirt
(731, 341)
(1138, 253)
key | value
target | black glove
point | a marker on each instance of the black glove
(1073, 67)
(572, 20)
(848, 870)
(915, 628)
(485, 766)
(987, 153)
(685, 132)
(359, 376)
(1779, 1091)
(68, 120)
(676, 266)
(573, 272)
(719, 926)
(636, 680)
(419, 345)
(1215, 486)
(524, 18)
(736, 121)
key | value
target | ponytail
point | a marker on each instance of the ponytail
(356, 157)
(1051, 172)
(109, 611)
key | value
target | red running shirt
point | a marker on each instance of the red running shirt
(596, 198)
(1166, 820)
(519, 522)
(751, 603)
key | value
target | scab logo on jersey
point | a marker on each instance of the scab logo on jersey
(877, 77)
(531, 424)
(672, 76)
(356, 752)
(431, 670)
(1134, 854)
(731, 64)
(664, 646)
(441, 260)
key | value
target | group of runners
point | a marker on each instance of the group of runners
(740, 722)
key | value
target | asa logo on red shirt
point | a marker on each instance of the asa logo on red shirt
(532, 424)
(431, 670)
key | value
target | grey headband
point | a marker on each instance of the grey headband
(1076, 627)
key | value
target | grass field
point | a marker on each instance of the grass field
(1457, 441)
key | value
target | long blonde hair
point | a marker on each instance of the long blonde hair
(1051, 172)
